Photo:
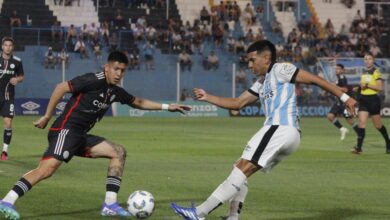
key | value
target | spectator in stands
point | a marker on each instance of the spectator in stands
(71, 36)
(148, 51)
(177, 41)
(50, 58)
(114, 42)
(105, 32)
(218, 32)
(241, 78)
(185, 61)
(56, 31)
(63, 56)
(204, 15)
(134, 60)
(151, 34)
(84, 32)
(97, 50)
(276, 27)
(248, 14)
(80, 48)
(212, 61)
(230, 44)
(93, 31)
(119, 21)
(141, 21)
(15, 20)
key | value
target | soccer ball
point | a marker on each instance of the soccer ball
(140, 204)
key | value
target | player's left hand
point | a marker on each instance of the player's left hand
(14, 81)
(350, 105)
(179, 108)
(41, 122)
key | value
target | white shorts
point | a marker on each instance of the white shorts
(270, 145)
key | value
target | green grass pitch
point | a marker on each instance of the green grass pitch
(185, 159)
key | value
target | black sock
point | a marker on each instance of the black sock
(22, 187)
(337, 123)
(383, 131)
(113, 184)
(7, 136)
(360, 138)
(355, 128)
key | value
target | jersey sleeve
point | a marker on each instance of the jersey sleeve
(255, 88)
(286, 72)
(20, 71)
(83, 83)
(377, 75)
(123, 96)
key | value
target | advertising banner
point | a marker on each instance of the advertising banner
(199, 109)
(254, 110)
(36, 106)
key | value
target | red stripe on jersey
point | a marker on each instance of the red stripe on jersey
(70, 85)
(68, 114)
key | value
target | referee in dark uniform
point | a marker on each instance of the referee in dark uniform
(11, 73)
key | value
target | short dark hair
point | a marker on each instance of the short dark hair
(118, 56)
(7, 39)
(340, 65)
(263, 45)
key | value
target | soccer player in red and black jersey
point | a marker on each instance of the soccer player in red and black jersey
(92, 95)
(11, 73)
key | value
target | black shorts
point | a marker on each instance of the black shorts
(66, 143)
(370, 104)
(7, 108)
(339, 109)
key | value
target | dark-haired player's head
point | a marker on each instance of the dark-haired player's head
(115, 67)
(339, 69)
(261, 54)
(118, 56)
(7, 45)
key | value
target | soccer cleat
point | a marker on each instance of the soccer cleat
(186, 213)
(343, 132)
(4, 155)
(356, 150)
(9, 210)
(114, 210)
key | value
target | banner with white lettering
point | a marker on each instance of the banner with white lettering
(198, 109)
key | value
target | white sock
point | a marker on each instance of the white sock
(223, 193)
(11, 197)
(111, 198)
(5, 147)
(237, 202)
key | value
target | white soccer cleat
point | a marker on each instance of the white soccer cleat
(343, 132)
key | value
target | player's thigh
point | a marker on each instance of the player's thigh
(106, 149)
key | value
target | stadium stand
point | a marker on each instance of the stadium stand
(73, 14)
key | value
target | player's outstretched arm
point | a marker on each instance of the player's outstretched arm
(229, 103)
(151, 105)
(55, 98)
(309, 78)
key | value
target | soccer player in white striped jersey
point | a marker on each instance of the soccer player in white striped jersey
(280, 135)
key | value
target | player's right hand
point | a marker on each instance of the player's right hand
(200, 94)
(350, 104)
(41, 122)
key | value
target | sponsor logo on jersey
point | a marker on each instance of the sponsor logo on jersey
(12, 66)
(31, 108)
(100, 105)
